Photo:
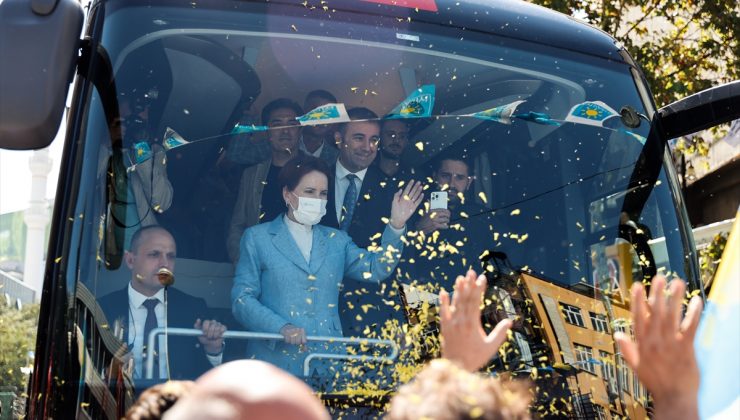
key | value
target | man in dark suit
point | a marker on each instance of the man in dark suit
(145, 304)
(358, 201)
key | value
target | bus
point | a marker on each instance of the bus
(541, 152)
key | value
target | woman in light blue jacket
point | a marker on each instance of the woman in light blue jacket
(290, 270)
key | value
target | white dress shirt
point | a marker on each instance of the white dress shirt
(137, 323)
(302, 235)
(341, 183)
(315, 153)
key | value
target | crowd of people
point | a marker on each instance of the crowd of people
(319, 215)
(321, 212)
(451, 387)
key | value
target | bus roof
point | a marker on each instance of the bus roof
(509, 18)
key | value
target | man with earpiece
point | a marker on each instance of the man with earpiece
(147, 303)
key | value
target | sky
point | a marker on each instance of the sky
(15, 177)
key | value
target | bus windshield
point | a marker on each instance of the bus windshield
(538, 165)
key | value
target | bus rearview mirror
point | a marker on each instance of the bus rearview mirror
(39, 44)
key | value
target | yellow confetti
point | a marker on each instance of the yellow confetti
(420, 146)
(482, 196)
(366, 275)
(515, 212)
(57, 259)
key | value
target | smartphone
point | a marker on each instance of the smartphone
(439, 200)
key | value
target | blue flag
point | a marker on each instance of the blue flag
(536, 117)
(325, 114)
(717, 341)
(244, 129)
(591, 113)
(142, 151)
(172, 139)
(502, 114)
(418, 105)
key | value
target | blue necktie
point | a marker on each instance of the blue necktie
(350, 201)
(150, 324)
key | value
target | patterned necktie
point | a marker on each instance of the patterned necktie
(350, 201)
(150, 324)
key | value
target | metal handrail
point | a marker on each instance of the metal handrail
(248, 335)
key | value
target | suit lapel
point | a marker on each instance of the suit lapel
(330, 218)
(285, 244)
(318, 248)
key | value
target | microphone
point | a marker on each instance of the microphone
(165, 277)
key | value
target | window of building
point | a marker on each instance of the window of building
(585, 358)
(573, 315)
(624, 374)
(607, 370)
(600, 412)
(599, 322)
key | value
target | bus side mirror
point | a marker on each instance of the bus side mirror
(701, 110)
(39, 42)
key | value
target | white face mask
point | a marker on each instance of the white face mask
(309, 211)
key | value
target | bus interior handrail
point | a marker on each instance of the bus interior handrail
(250, 335)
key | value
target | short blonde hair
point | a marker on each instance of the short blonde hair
(445, 391)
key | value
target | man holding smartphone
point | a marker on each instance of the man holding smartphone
(452, 179)
(461, 224)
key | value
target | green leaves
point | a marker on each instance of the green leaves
(17, 339)
(682, 47)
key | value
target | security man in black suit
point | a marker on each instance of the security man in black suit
(145, 303)
(359, 198)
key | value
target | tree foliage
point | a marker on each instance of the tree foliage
(683, 46)
(17, 339)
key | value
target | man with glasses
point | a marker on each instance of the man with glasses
(462, 228)
(394, 137)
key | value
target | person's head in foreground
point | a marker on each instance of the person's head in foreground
(153, 402)
(249, 389)
(446, 391)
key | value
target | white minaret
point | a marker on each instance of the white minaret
(36, 218)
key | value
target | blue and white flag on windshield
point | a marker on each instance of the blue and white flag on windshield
(245, 129)
(591, 113)
(418, 105)
(172, 139)
(325, 114)
(502, 114)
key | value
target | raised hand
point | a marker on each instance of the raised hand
(663, 353)
(405, 203)
(463, 339)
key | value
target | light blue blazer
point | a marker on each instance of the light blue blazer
(274, 285)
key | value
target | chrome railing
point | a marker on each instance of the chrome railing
(247, 335)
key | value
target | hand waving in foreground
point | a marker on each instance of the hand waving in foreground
(463, 339)
(663, 353)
